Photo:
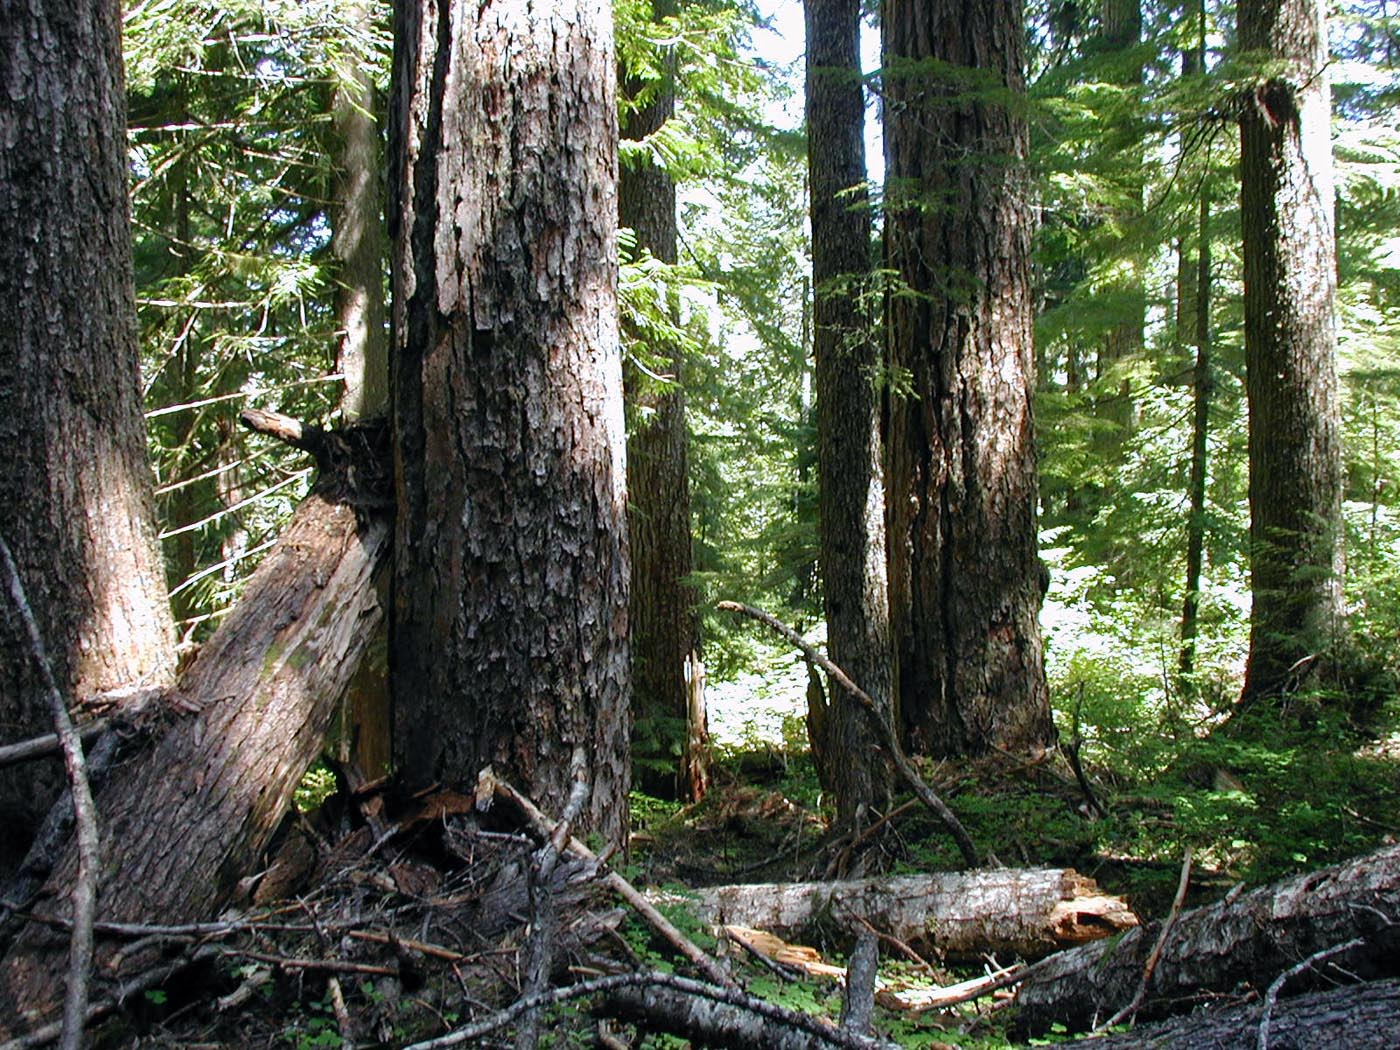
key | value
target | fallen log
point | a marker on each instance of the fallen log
(1356, 1017)
(1240, 941)
(955, 914)
(183, 823)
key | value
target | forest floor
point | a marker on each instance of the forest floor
(373, 940)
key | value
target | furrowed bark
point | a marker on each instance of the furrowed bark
(1029, 913)
(184, 823)
(1219, 948)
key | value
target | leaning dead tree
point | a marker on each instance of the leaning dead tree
(186, 821)
(1240, 941)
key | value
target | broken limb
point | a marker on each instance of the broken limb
(879, 719)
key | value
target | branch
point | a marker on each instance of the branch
(882, 725)
(488, 786)
(1150, 966)
(75, 1002)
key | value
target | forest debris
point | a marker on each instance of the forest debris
(1358, 1017)
(1236, 942)
(488, 786)
(1155, 955)
(1027, 912)
(793, 956)
(880, 719)
(858, 1004)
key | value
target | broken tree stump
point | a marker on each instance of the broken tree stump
(1237, 942)
(1030, 912)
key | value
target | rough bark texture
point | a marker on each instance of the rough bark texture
(965, 580)
(665, 626)
(1357, 1017)
(852, 492)
(75, 489)
(1295, 464)
(1026, 912)
(184, 823)
(1217, 949)
(508, 641)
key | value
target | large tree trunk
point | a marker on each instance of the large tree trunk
(854, 586)
(1355, 1017)
(965, 580)
(509, 637)
(183, 823)
(1290, 279)
(665, 626)
(1249, 940)
(1023, 912)
(75, 489)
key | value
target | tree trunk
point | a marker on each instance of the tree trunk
(509, 636)
(1217, 948)
(1003, 910)
(1356, 1017)
(668, 713)
(357, 240)
(1202, 389)
(852, 499)
(1290, 278)
(965, 580)
(184, 823)
(75, 488)
(360, 246)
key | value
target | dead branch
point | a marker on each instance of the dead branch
(1151, 965)
(858, 1004)
(488, 786)
(75, 1001)
(883, 728)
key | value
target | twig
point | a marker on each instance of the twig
(75, 1000)
(544, 919)
(1150, 966)
(487, 786)
(1271, 996)
(881, 721)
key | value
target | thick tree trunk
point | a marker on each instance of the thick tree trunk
(965, 580)
(854, 587)
(1355, 1017)
(1290, 279)
(1004, 910)
(75, 489)
(668, 712)
(184, 823)
(509, 636)
(1216, 949)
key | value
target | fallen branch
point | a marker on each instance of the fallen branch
(882, 725)
(1150, 967)
(489, 786)
(84, 897)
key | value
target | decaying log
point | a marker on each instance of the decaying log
(1355, 1017)
(1246, 941)
(184, 823)
(957, 914)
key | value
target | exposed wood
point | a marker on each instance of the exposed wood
(1005, 910)
(1356, 1017)
(184, 823)
(884, 728)
(1220, 948)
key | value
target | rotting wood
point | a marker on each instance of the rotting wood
(184, 823)
(1247, 940)
(957, 914)
(1355, 1017)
